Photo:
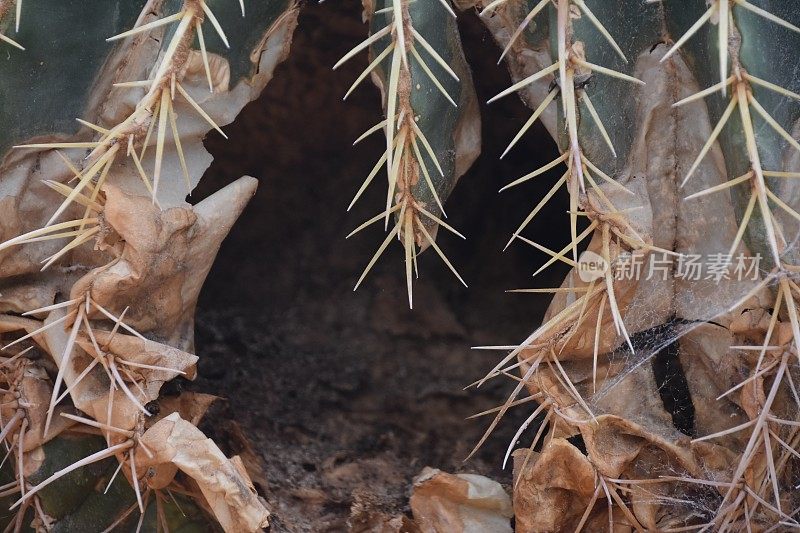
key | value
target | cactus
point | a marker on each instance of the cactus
(103, 258)
(432, 127)
(676, 123)
(683, 173)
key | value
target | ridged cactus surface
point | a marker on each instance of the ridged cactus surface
(103, 258)
(661, 385)
(691, 107)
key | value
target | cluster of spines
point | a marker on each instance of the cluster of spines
(582, 175)
(739, 500)
(121, 443)
(405, 141)
(587, 199)
(152, 114)
(744, 494)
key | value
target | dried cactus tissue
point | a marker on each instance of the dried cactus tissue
(658, 164)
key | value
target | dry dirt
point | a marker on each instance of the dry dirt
(347, 396)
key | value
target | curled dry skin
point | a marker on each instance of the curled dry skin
(108, 325)
(594, 376)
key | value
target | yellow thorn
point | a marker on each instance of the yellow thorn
(517, 389)
(537, 172)
(37, 331)
(539, 110)
(774, 174)
(527, 81)
(571, 113)
(609, 72)
(377, 255)
(602, 29)
(150, 128)
(74, 243)
(546, 198)
(595, 351)
(142, 173)
(523, 427)
(65, 191)
(370, 131)
(375, 62)
(706, 92)
(771, 86)
(446, 5)
(772, 122)
(619, 324)
(133, 84)
(84, 181)
(691, 31)
(367, 181)
(555, 256)
(95, 127)
(11, 41)
(711, 139)
(568, 290)
(399, 30)
(135, 477)
(201, 39)
(792, 312)
(160, 137)
(439, 221)
(199, 109)
(147, 27)
(35, 234)
(598, 122)
(427, 146)
(604, 176)
(570, 385)
(99, 425)
(93, 458)
(493, 5)
(395, 170)
(598, 191)
(391, 107)
(767, 15)
(783, 205)
(187, 17)
(18, 16)
(427, 175)
(364, 44)
(59, 145)
(179, 148)
(374, 219)
(721, 187)
(433, 53)
(408, 244)
(755, 162)
(559, 256)
(722, 43)
(63, 363)
(524, 24)
(215, 23)
(440, 253)
(431, 76)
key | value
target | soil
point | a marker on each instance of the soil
(345, 396)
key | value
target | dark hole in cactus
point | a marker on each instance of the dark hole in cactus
(671, 381)
(577, 441)
(354, 384)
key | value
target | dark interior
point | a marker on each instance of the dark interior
(345, 396)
